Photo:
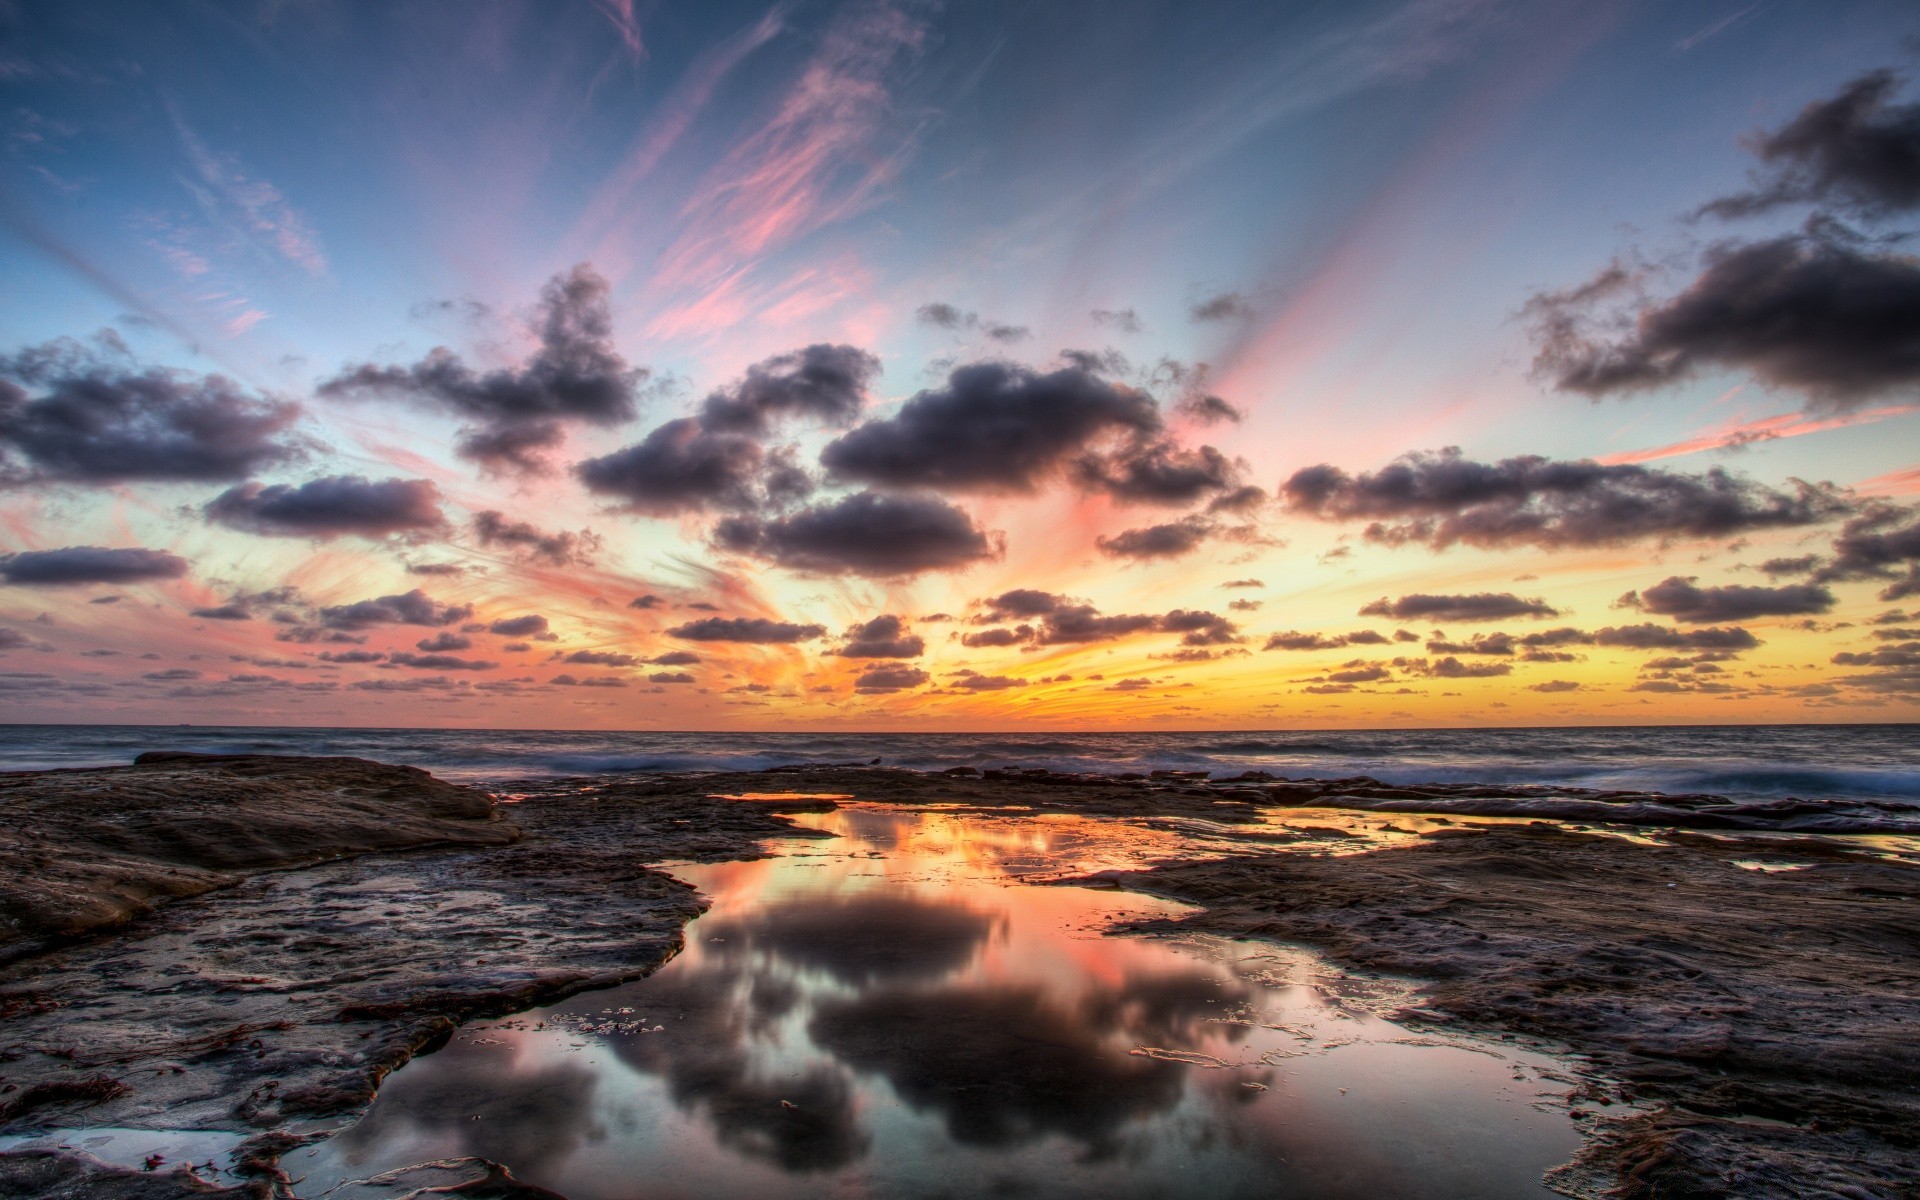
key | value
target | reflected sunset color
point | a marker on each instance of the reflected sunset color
(895, 1012)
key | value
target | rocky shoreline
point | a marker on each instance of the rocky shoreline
(252, 943)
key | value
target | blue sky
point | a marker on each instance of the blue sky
(1332, 217)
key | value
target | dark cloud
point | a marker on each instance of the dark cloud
(974, 682)
(1804, 564)
(1243, 583)
(889, 678)
(1813, 313)
(73, 565)
(1684, 600)
(1494, 644)
(1452, 668)
(1123, 319)
(825, 382)
(1066, 622)
(681, 467)
(670, 677)
(994, 427)
(1158, 541)
(865, 534)
(408, 608)
(885, 636)
(1224, 307)
(1857, 150)
(675, 658)
(330, 507)
(439, 662)
(1481, 606)
(602, 658)
(1292, 639)
(1443, 499)
(645, 602)
(946, 316)
(71, 413)
(531, 625)
(754, 630)
(1021, 602)
(232, 611)
(1647, 636)
(1555, 685)
(443, 642)
(352, 656)
(575, 375)
(561, 549)
(1208, 410)
(1158, 472)
(1876, 545)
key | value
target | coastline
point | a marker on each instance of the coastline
(1753, 1020)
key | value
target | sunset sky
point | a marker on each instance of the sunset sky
(894, 365)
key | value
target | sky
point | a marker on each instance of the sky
(886, 364)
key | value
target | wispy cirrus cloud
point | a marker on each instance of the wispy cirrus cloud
(252, 207)
(831, 145)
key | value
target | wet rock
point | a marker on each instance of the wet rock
(82, 850)
(289, 995)
(1763, 1022)
(70, 1175)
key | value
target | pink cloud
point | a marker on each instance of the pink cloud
(1735, 434)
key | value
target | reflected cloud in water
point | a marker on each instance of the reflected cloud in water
(899, 1015)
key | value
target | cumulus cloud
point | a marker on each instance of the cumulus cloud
(885, 636)
(829, 383)
(946, 316)
(1857, 150)
(330, 507)
(407, 608)
(1158, 472)
(994, 427)
(680, 467)
(752, 630)
(1226, 306)
(865, 533)
(602, 658)
(973, 681)
(559, 549)
(1647, 636)
(1480, 606)
(1877, 545)
(892, 677)
(439, 662)
(1813, 313)
(670, 677)
(1059, 620)
(576, 375)
(1158, 541)
(533, 625)
(1208, 410)
(75, 565)
(71, 413)
(1684, 600)
(1442, 499)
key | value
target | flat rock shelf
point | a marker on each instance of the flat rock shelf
(210, 964)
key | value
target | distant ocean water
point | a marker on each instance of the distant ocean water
(1744, 762)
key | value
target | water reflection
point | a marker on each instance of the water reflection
(898, 1015)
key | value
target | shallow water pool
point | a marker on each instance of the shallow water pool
(905, 1011)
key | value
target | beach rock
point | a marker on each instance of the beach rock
(71, 1175)
(1761, 1022)
(82, 850)
(289, 995)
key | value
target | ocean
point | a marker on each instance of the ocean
(1874, 763)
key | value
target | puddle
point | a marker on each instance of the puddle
(896, 1013)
